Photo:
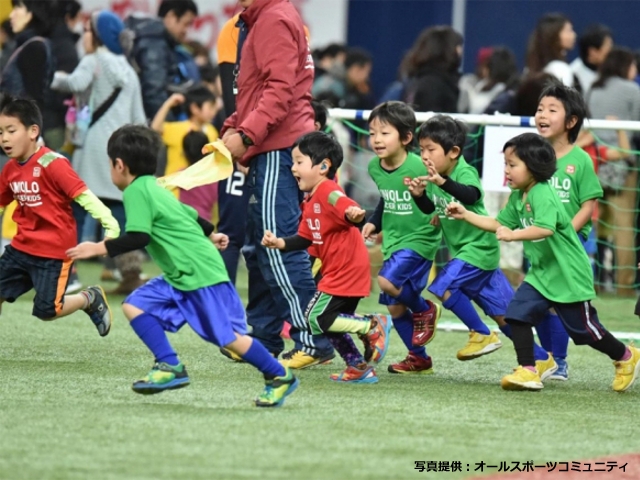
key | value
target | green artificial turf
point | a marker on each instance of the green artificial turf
(68, 412)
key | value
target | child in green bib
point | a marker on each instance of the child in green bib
(560, 274)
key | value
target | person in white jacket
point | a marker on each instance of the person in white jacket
(111, 89)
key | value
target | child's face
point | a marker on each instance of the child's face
(551, 119)
(431, 151)
(17, 140)
(516, 171)
(307, 175)
(385, 140)
(119, 174)
(205, 113)
(359, 74)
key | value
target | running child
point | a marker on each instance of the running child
(194, 287)
(328, 231)
(409, 241)
(560, 274)
(559, 118)
(472, 273)
(44, 184)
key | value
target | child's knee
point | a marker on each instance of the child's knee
(130, 311)
(397, 311)
(387, 287)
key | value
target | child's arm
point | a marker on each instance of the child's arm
(614, 154)
(583, 215)
(374, 223)
(531, 233)
(100, 212)
(287, 244)
(489, 224)
(354, 214)
(458, 212)
(174, 100)
(465, 194)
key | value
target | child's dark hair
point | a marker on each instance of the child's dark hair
(24, 109)
(192, 144)
(178, 7)
(536, 153)
(446, 131)
(397, 114)
(320, 114)
(209, 73)
(319, 146)
(358, 57)
(573, 103)
(137, 146)
(616, 64)
(593, 37)
(198, 95)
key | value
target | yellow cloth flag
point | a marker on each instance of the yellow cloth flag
(214, 167)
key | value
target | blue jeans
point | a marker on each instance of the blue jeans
(280, 284)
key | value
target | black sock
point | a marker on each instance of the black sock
(522, 336)
(611, 346)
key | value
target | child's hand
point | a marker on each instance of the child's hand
(504, 234)
(176, 99)
(416, 185)
(434, 176)
(220, 240)
(435, 221)
(355, 214)
(86, 250)
(456, 210)
(368, 231)
(270, 240)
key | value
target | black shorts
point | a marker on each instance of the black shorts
(21, 272)
(637, 309)
(580, 319)
(323, 309)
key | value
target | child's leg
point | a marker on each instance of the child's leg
(346, 348)
(216, 314)
(152, 334)
(334, 316)
(49, 278)
(254, 353)
(403, 322)
(583, 325)
(153, 310)
(525, 310)
(448, 287)
(402, 278)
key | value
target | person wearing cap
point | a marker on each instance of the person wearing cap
(113, 97)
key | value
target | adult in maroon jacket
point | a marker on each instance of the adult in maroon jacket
(273, 109)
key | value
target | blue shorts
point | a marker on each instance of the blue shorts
(580, 319)
(489, 289)
(405, 269)
(215, 313)
(589, 243)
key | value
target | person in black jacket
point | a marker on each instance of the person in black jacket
(157, 53)
(432, 66)
(65, 54)
(29, 71)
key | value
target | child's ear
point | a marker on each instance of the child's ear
(408, 139)
(316, 125)
(34, 132)
(119, 165)
(571, 122)
(455, 152)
